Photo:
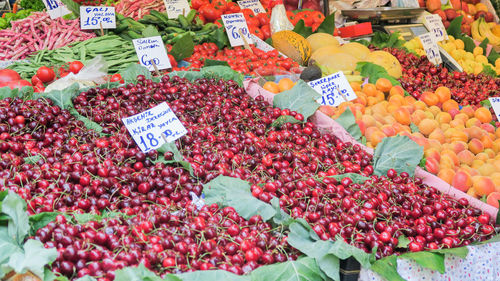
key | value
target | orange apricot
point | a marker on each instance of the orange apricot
(483, 185)
(458, 146)
(461, 180)
(486, 169)
(388, 130)
(402, 116)
(465, 157)
(429, 98)
(432, 166)
(493, 199)
(438, 135)
(426, 126)
(474, 132)
(476, 146)
(449, 105)
(487, 142)
(271, 87)
(468, 110)
(483, 114)
(377, 137)
(488, 127)
(443, 117)
(355, 85)
(443, 94)
(370, 90)
(446, 175)
(472, 122)
(397, 90)
(285, 84)
(384, 85)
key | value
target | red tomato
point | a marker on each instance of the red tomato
(75, 66)
(36, 81)
(220, 4)
(7, 75)
(256, 31)
(210, 13)
(233, 8)
(266, 31)
(252, 20)
(116, 77)
(173, 62)
(196, 4)
(263, 19)
(18, 84)
(247, 12)
(45, 74)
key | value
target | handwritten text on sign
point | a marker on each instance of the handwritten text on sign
(435, 25)
(495, 103)
(334, 89)
(56, 8)
(147, 127)
(253, 5)
(176, 8)
(235, 25)
(431, 48)
(150, 50)
(93, 17)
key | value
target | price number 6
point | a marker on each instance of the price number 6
(235, 32)
(147, 62)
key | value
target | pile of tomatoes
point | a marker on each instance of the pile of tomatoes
(10, 78)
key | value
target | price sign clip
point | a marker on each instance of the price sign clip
(245, 42)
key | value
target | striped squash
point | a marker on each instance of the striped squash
(292, 45)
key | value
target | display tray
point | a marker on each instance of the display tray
(383, 13)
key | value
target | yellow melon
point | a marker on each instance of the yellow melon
(320, 40)
(339, 62)
(322, 53)
(357, 50)
(387, 61)
(293, 45)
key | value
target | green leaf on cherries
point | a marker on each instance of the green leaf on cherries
(301, 98)
(387, 268)
(183, 48)
(348, 122)
(24, 93)
(211, 275)
(304, 269)
(236, 193)
(189, 75)
(460, 252)
(86, 217)
(34, 258)
(40, 220)
(403, 242)
(48, 275)
(32, 159)
(61, 98)
(15, 207)
(431, 260)
(222, 72)
(141, 273)
(178, 158)
(414, 128)
(280, 121)
(89, 124)
(356, 178)
(374, 72)
(399, 153)
(130, 73)
(281, 217)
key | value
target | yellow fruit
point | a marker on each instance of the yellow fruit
(387, 61)
(324, 52)
(481, 59)
(319, 40)
(339, 62)
(459, 44)
(357, 50)
(477, 51)
(292, 45)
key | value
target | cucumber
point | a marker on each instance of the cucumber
(162, 16)
(134, 35)
(183, 21)
(190, 16)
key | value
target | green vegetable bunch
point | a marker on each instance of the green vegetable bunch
(5, 21)
(36, 5)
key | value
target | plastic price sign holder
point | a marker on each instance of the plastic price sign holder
(92, 17)
(334, 89)
(431, 48)
(495, 103)
(253, 5)
(435, 25)
(176, 7)
(152, 128)
(151, 49)
(236, 26)
(56, 8)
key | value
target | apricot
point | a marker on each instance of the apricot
(454, 134)
(419, 105)
(474, 132)
(446, 175)
(468, 110)
(457, 123)
(432, 166)
(493, 198)
(432, 153)
(472, 122)
(483, 114)
(429, 98)
(397, 100)
(434, 110)
(370, 130)
(486, 169)
(443, 93)
(488, 127)
(487, 142)
(438, 135)
(426, 126)
(466, 157)
(483, 185)
(449, 105)
(450, 154)
(461, 180)
(476, 146)
(368, 120)
(388, 130)
(482, 156)
(397, 90)
(377, 137)
(443, 117)
(402, 116)
(458, 146)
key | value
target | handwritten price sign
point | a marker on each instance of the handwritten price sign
(435, 26)
(94, 17)
(151, 50)
(56, 8)
(334, 89)
(254, 5)
(176, 7)
(431, 48)
(495, 103)
(236, 25)
(147, 128)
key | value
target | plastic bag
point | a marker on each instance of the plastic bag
(94, 73)
(279, 20)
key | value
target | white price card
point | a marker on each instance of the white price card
(495, 103)
(176, 8)
(334, 89)
(435, 25)
(262, 45)
(92, 17)
(56, 8)
(236, 25)
(431, 48)
(253, 5)
(147, 128)
(151, 49)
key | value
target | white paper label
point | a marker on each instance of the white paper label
(435, 25)
(176, 8)
(495, 103)
(56, 8)
(92, 17)
(146, 128)
(235, 25)
(431, 48)
(334, 89)
(341, 40)
(262, 45)
(253, 5)
(151, 49)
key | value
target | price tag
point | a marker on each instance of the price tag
(495, 103)
(431, 48)
(236, 24)
(341, 40)
(151, 49)
(262, 45)
(334, 89)
(253, 5)
(56, 8)
(92, 17)
(176, 8)
(435, 25)
(146, 128)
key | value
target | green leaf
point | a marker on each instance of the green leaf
(374, 72)
(32, 159)
(302, 29)
(328, 25)
(469, 44)
(178, 158)
(42, 219)
(356, 178)
(493, 56)
(484, 44)
(431, 260)
(87, 278)
(61, 98)
(34, 258)
(89, 124)
(384, 40)
(301, 98)
(304, 269)
(461, 252)
(403, 242)
(399, 153)
(387, 268)
(130, 73)
(487, 70)
(189, 75)
(6, 92)
(414, 128)
(8, 246)
(236, 193)
(343, 251)
(48, 275)
(209, 62)
(454, 28)
(281, 217)
(150, 31)
(348, 122)
(141, 273)
(422, 162)
(486, 103)
(86, 217)
(280, 121)
(220, 38)
(15, 207)
(171, 147)
(330, 265)
(222, 72)
(183, 48)
(72, 6)
(208, 275)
